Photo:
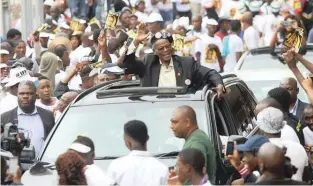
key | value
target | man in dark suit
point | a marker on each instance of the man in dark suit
(163, 69)
(35, 121)
(296, 106)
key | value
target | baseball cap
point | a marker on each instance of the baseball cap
(2, 51)
(254, 142)
(111, 68)
(255, 6)
(82, 144)
(271, 120)
(224, 18)
(154, 17)
(18, 75)
(3, 65)
(49, 3)
(275, 6)
(211, 22)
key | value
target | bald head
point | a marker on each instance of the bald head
(183, 121)
(197, 18)
(265, 103)
(248, 17)
(291, 81)
(66, 99)
(271, 159)
(189, 113)
(291, 85)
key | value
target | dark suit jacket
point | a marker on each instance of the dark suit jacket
(185, 68)
(300, 109)
(45, 115)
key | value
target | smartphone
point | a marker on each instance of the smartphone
(230, 148)
(129, 41)
(13, 165)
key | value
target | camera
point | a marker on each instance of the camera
(231, 143)
(9, 139)
(287, 23)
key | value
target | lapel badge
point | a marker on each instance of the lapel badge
(178, 74)
(187, 82)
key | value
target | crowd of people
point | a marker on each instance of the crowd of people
(164, 44)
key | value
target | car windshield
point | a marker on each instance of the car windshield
(104, 124)
(266, 61)
(261, 88)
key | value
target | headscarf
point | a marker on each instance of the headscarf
(48, 66)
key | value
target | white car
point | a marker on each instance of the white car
(262, 80)
(262, 58)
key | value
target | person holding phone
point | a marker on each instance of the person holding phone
(10, 171)
(249, 163)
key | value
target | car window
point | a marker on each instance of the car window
(264, 61)
(241, 105)
(261, 88)
(104, 125)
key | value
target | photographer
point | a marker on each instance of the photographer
(249, 162)
(35, 121)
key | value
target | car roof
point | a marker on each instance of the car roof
(120, 91)
(266, 74)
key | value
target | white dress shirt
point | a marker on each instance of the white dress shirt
(167, 76)
(32, 127)
(138, 168)
(95, 176)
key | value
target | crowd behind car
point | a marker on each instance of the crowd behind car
(164, 44)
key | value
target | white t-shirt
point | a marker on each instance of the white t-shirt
(182, 7)
(271, 23)
(47, 107)
(235, 45)
(138, 168)
(230, 8)
(251, 38)
(287, 133)
(296, 153)
(209, 57)
(95, 176)
(308, 136)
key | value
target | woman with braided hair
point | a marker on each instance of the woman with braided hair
(70, 168)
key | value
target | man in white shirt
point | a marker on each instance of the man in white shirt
(308, 130)
(85, 147)
(139, 167)
(251, 34)
(17, 75)
(210, 47)
(270, 121)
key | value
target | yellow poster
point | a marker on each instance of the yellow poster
(294, 40)
(111, 20)
(178, 42)
(210, 56)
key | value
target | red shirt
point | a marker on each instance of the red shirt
(221, 35)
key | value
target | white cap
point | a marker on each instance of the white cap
(2, 51)
(49, 2)
(255, 6)
(18, 75)
(45, 34)
(154, 17)
(80, 148)
(211, 22)
(65, 26)
(275, 6)
(3, 65)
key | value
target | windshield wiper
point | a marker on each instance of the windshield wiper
(107, 158)
(167, 154)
